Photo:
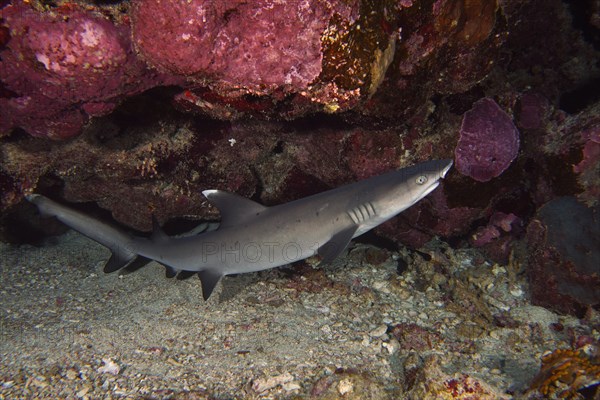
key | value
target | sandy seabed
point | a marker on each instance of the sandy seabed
(355, 329)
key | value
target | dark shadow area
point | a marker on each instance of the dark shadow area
(378, 241)
(309, 124)
(582, 12)
(580, 97)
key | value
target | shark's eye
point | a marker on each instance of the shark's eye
(421, 180)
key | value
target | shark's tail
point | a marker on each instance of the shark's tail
(125, 248)
(120, 243)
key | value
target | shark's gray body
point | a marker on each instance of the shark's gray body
(252, 237)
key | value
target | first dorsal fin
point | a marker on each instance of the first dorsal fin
(234, 209)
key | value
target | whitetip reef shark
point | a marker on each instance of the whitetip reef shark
(252, 237)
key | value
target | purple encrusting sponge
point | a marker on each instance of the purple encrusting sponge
(488, 143)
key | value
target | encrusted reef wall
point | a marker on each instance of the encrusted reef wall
(136, 106)
(65, 62)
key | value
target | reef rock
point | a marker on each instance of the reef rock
(564, 256)
(254, 44)
(57, 68)
(62, 63)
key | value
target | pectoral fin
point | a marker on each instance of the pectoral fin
(336, 245)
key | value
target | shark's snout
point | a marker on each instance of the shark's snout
(446, 168)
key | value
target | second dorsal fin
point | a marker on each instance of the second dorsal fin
(234, 209)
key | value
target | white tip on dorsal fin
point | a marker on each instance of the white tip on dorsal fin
(234, 208)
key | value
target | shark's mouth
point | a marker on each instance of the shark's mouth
(429, 190)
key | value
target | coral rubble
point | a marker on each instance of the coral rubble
(566, 372)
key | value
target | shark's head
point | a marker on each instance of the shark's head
(422, 179)
(403, 188)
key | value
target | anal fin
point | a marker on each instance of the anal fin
(336, 245)
(170, 272)
(209, 279)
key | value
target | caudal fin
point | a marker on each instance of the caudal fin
(119, 243)
(123, 247)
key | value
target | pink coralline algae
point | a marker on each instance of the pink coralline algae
(589, 166)
(73, 55)
(242, 43)
(488, 143)
(496, 237)
(591, 149)
(499, 222)
(235, 59)
(57, 69)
